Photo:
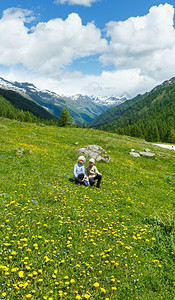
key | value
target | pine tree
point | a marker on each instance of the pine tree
(171, 136)
(65, 118)
(120, 131)
(155, 133)
(21, 116)
(27, 117)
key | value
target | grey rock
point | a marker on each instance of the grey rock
(134, 154)
(19, 151)
(147, 150)
(96, 152)
(147, 154)
(3, 126)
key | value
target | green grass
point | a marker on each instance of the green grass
(63, 241)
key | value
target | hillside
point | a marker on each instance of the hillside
(150, 116)
(64, 241)
(12, 103)
(81, 108)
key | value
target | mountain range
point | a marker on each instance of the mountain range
(150, 116)
(82, 108)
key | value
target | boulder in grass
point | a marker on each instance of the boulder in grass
(147, 154)
(19, 151)
(96, 152)
(135, 154)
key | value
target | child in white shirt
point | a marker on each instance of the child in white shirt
(79, 172)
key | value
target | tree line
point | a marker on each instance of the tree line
(7, 110)
(152, 119)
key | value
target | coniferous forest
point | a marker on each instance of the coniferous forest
(17, 107)
(150, 116)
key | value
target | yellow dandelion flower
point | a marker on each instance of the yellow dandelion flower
(96, 284)
(25, 285)
(21, 274)
(60, 292)
(46, 259)
(14, 269)
(35, 273)
(4, 294)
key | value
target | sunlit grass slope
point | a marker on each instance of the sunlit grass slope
(63, 241)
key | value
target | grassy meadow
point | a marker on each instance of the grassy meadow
(64, 241)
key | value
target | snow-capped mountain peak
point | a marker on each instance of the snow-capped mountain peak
(25, 87)
(105, 101)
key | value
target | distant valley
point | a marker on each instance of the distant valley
(81, 108)
(150, 116)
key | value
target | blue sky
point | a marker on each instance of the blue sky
(100, 47)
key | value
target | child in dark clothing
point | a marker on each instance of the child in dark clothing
(93, 174)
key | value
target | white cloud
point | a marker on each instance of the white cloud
(49, 46)
(107, 83)
(77, 2)
(24, 15)
(147, 43)
(142, 50)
